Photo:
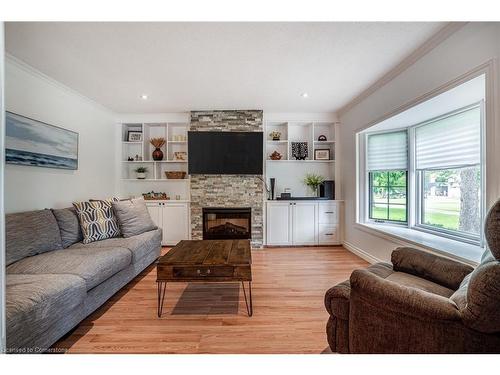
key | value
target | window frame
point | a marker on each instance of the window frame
(448, 233)
(414, 177)
(370, 198)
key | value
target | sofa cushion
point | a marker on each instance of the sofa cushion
(97, 220)
(35, 302)
(139, 246)
(94, 265)
(133, 217)
(69, 226)
(30, 233)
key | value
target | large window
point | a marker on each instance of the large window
(448, 165)
(387, 163)
(445, 175)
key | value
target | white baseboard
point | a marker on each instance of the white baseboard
(361, 253)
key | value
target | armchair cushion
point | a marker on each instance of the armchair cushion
(492, 229)
(446, 272)
(385, 294)
(337, 297)
(412, 281)
(481, 311)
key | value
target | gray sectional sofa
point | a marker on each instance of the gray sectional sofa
(54, 280)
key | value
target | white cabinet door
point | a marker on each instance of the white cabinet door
(279, 223)
(304, 223)
(154, 210)
(175, 223)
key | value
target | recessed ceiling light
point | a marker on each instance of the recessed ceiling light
(144, 97)
(304, 95)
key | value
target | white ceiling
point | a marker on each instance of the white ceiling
(193, 66)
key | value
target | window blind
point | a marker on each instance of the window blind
(388, 151)
(449, 142)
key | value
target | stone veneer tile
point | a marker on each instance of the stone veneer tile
(227, 190)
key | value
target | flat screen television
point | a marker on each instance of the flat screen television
(225, 152)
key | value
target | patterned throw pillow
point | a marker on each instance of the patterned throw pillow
(97, 220)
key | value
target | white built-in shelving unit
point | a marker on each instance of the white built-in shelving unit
(156, 180)
(300, 131)
(144, 150)
(289, 172)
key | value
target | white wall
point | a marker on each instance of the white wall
(466, 49)
(30, 93)
(2, 225)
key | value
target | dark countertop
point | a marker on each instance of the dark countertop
(301, 199)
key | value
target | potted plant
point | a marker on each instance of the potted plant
(313, 181)
(141, 173)
(157, 144)
(275, 135)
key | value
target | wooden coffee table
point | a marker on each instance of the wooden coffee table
(206, 261)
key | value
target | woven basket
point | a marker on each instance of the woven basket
(175, 175)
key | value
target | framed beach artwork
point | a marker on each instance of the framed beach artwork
(35, 143)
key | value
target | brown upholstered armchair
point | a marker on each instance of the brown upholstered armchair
(421, 303)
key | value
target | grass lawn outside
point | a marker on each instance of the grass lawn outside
(440, 212)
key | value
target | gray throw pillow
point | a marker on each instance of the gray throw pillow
(133, 217)
(69, 226)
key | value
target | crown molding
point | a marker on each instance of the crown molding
(431, 43)
(10, 59)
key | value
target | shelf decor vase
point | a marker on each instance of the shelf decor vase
(141, 176)
(157, 154)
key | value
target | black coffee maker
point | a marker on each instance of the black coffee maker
(327, 189)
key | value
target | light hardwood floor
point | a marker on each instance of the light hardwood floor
(289, 316)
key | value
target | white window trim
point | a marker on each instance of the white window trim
(362, 214)
(367, 179)
(403, 236)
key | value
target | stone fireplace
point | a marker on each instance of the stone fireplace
(227, 191)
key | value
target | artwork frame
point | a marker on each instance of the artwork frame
(322, 154)
(34, 143)
(134, 136)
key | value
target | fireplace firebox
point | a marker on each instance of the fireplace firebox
(223, 223)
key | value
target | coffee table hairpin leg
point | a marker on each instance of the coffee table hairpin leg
(249, 308)
(162, 286)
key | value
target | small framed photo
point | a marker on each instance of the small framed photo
(180, 155)
(134, 136)
(322, 154)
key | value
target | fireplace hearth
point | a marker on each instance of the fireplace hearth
(222, 223)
